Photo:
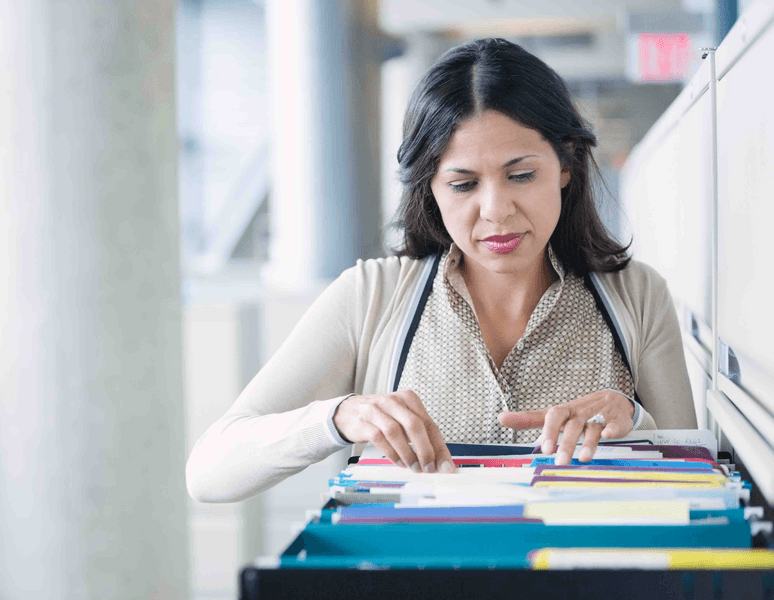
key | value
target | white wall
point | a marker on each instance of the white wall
(692, 197)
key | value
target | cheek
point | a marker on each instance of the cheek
(458, 220)
(443, 208)
(461, 216)
(450, 218)
(549, 209)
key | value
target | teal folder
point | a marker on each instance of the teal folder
(494, 545)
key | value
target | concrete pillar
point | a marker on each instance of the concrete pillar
(324, 73)
(727, 14)
(191, 165)
(93, 501)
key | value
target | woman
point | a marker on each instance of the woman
(509, 313)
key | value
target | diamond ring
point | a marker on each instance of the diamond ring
(598, 419)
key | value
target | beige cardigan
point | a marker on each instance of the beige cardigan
(347, 342)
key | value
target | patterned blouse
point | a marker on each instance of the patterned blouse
(567, 351)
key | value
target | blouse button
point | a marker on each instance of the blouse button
(520, 346)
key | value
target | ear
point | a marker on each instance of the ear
(565, 177)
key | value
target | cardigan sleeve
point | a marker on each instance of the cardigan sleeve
(280, 424)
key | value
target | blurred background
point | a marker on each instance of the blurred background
(179, 182)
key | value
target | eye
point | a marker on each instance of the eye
(459, 188)
(522, 177)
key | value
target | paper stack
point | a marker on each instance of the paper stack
(653, 499)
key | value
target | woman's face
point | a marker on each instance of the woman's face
(498, 187)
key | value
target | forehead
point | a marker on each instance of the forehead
(494, 134)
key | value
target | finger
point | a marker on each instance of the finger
(443, 458)
(555, 418)
(394, 435)
(591, 435)
(527, 419)
(376, 437)
(410, 400)
(441, 452)
(444, 461)
(616, 428)
(570, 435)
(415, 428)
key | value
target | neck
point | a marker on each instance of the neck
(511, 293)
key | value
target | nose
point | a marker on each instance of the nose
(497, 204)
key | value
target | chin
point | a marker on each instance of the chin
(507, 267)
(503, 263)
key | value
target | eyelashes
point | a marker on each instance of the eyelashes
(523, 177)
(460, 188)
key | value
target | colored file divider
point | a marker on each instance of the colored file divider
(665, 512)
(702, 468)
(649, 558)
(439, 495)
(462, 462)
(512, 507)
(665, 463)
(634, 474)
(612, 483)
(493, 545)
(679, 452)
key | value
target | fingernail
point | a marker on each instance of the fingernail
(447, 467)
(400, 463)
(415, 467)
(585, 455)
(547, 447)
(430, 467)
(561, 458)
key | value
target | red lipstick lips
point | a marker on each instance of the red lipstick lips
(501, 238)
(502, 244)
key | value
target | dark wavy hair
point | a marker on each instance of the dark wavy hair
(495, 74)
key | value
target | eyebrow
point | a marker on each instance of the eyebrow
(510, 163)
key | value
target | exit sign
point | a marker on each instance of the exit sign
(663, 57)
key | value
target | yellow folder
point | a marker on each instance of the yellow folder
(624, 484)
(612, 512)
(648, 558)
(650, 475)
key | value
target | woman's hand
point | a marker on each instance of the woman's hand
(391, 422)
(571, 419)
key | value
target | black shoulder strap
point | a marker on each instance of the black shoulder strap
(606, 315)
(415, 322)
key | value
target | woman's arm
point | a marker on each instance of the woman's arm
(279, 424)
